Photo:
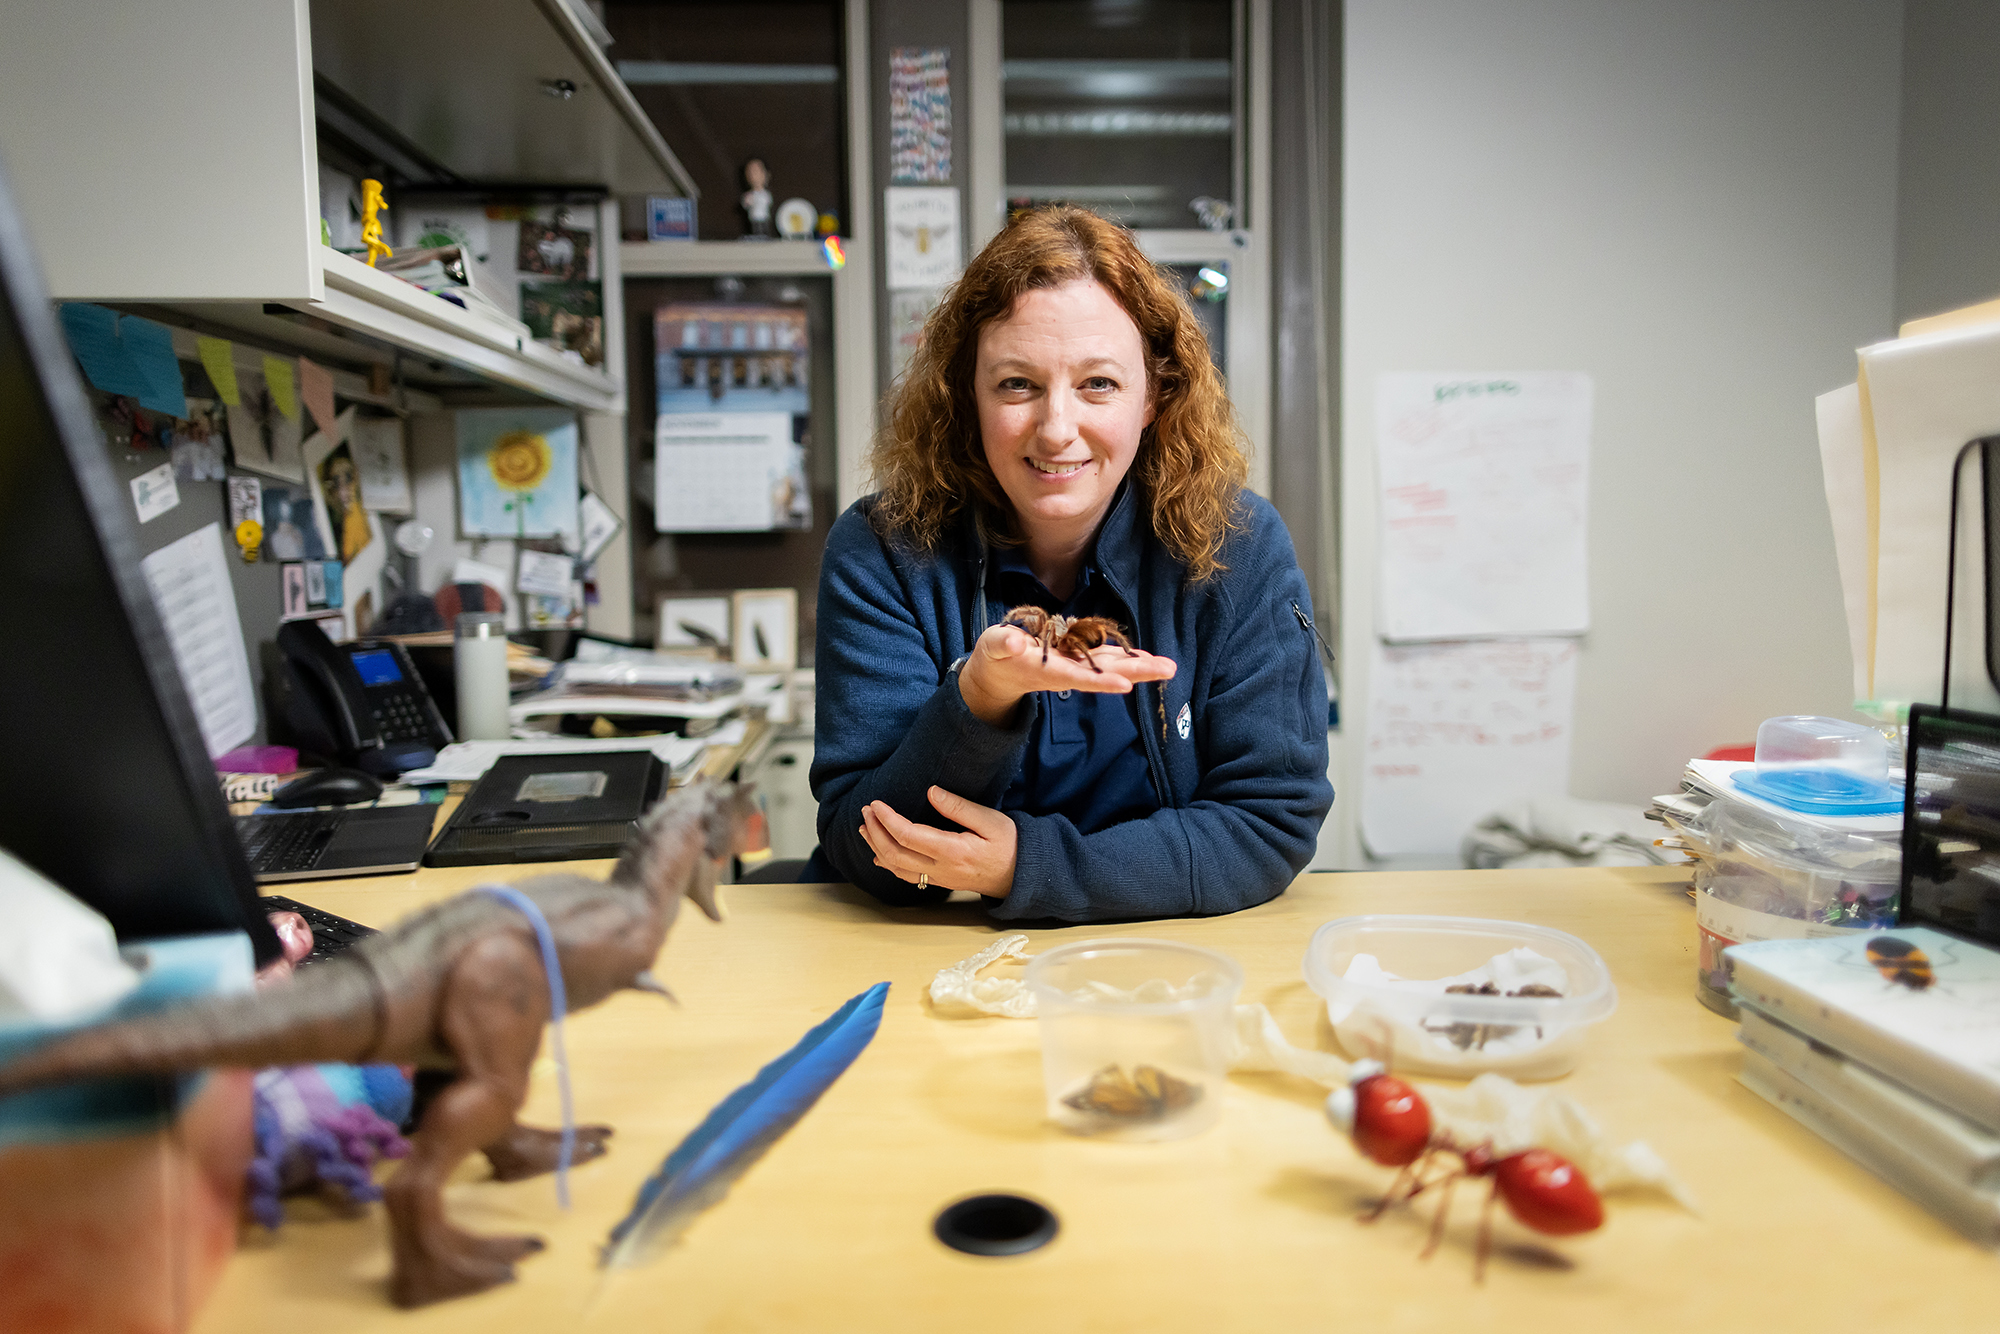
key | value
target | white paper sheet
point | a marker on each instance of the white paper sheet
(1456, 730)
(719, 472)
(384, 469)
(1845, 475)
(154, 492)
(1484, 483)
(545, 572)
(1930, 395)
(189, 580)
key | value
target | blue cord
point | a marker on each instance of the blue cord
(558, 1006)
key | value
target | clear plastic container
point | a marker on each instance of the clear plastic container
(1430, 1032)
(1766, 876)
(1806, 740)
(1822, 766)
(1136, 1035)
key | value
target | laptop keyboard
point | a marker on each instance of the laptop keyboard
(278, 844)
(331, 933)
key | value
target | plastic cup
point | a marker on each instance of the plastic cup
(1136, 1036)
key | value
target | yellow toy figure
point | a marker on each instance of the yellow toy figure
(372, 205)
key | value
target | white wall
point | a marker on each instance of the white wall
(1948, 212)
(1694, 202)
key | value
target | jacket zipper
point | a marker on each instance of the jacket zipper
(1307, 622)
(1155, 762)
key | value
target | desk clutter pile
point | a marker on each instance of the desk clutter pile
(1885, 1046)
(1877, 1038)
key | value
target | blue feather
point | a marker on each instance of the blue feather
(701, 1169)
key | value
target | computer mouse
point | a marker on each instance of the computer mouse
(328, 787)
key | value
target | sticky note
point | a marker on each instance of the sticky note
(93, 337)
(316, 390)
(151, 348)
(218, 358)
(154, 492)
(278, 379)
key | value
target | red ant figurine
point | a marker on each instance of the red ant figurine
(1391, 1124)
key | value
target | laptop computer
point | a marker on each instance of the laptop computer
(319, 845)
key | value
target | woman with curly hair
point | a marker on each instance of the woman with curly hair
(1061, 440)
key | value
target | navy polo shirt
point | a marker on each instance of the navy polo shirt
(1086, 760)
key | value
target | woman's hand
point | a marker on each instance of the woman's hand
(1007, 663)
(980, 859)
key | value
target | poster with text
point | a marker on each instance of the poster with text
(921, 224)
(1455, 731)
(1483, 482)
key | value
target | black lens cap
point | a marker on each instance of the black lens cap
(996, 1225)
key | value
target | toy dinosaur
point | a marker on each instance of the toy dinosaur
(460, 987)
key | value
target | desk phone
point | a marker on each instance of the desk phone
(361, 702)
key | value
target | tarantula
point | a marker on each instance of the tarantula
(1073, 637)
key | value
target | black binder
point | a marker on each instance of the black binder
(551, 808)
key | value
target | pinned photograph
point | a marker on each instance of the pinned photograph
(567, 316)
(292, 580)
(555, 249)
(347, 532)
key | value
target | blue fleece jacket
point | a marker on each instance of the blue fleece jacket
(1236, 743)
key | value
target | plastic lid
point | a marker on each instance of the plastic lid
(1823, 791)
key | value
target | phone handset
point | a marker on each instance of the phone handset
(330, 674)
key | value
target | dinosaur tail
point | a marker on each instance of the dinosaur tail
(329, 1012)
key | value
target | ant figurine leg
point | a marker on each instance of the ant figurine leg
(1437, 1223)
(1409, 1184)
(1393, 1196)
(1485, 1234)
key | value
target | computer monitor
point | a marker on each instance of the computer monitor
(105, 786)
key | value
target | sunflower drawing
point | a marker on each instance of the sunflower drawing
(520, 460)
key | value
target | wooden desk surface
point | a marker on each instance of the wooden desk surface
(1249, 1226)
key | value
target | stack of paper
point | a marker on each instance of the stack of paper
(468, 761)
(1884, 1046)
(1889, 446)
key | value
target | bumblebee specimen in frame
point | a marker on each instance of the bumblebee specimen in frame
(1901, 963)
(1072, 637)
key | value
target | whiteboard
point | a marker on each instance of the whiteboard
(1455, 731)
(1484, 482)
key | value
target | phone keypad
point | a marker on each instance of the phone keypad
(401, 717)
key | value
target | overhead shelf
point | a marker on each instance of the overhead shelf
(388, 308)
(367, 317)
(673, 259)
